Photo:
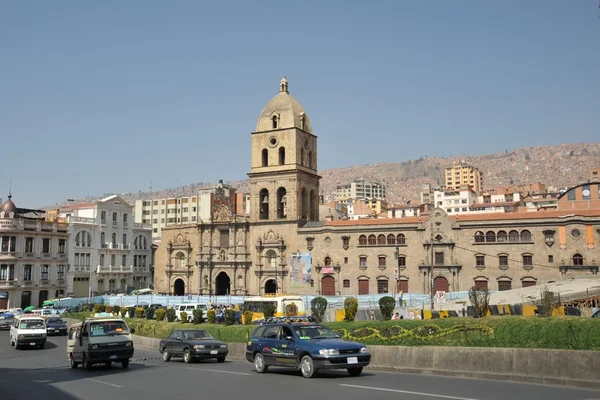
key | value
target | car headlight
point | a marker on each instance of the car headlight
(21, 336)
(223, 346)
(329, 352)
(128, 344)
(94, 346)
(364, 350)
(198, 346)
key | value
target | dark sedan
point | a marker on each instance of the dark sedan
(192, 345)
(56, 326)
(6, 320)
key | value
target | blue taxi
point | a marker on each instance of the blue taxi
(304, 345)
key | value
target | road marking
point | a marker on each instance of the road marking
(441, 396)
(218, 370)
(106, 383)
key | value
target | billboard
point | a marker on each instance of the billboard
(300, 270)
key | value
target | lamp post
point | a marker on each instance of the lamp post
(60, 280)
(396, 268)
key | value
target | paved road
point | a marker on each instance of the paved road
(37, 374)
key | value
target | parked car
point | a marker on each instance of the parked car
(6, 319)
(306, 346)
(56, 326)
(192, 344)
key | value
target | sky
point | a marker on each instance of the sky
(106, 97)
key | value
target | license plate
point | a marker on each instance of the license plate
(32, 344)
(214, 352)
(352, 360)
(113, 357)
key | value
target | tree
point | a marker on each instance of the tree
(350, 308)
(548, 301)
(386, 306)
(480, 300)
(318, 306)
(268, 310)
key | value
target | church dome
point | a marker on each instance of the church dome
(8, 207)
(283, 112)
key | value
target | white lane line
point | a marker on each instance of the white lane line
(105, 383)
(441, 396)
(218, 370)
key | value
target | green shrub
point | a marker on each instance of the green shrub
(131, 311)
(97, 307)
(109, 309)
(350, 308)
(150, 312)
(211, 315)
(116, 310)
(268, 310)
(480, 300)
(160, 314)
(386, 306)
(183, 317)
(139, 312)
(229, 316)
(102, 307)
(123, 312)
(197, 316)
(170, 315)
(318, 306)
(248, 315)
(291, 310)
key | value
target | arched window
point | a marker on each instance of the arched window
(102, 238)
(391, 239)
(263, 199)
(362, 240)
(577, 259)
(124, 239)
(281, 155)
(314, 205)
(501, 237)
(525, 236)
(265, 157)
(327, 261)
(304, 204)
(401, 239)
(114, 238)
(179, 260)
(272, 259)
(513, 236)
(381, 240)
(83, 239)
(310, 159)
(372, 240)
(281, 203)
(274, 119)
(479, 237)
(302, 157)
(140, 243)
(490, 236)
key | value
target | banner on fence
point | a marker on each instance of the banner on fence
(300, 270)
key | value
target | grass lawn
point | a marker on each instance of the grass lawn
(506, 331)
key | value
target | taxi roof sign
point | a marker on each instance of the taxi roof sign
(103, 315)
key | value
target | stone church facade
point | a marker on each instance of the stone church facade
(239, 255)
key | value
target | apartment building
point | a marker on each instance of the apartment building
(184, 210)
(108, 252)
(455, 201)
(595, 175)
(461, 174)
(33, 257)
(361, 188)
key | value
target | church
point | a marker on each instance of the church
(284, 247)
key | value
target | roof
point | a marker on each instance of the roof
(496, 204)
(287, 108)
(9, 206)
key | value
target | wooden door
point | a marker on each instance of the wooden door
(403, 286)
(363, 286)
(440, 284)
(328, 286)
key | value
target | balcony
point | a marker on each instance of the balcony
(8, 283)
(115, 246)
(142, 226)
(61, 256)
(112, 269)
(115, 224)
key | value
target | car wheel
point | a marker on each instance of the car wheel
(221, 359)
(187, 356)
(165, 355)
(355, 371)
(85, 363)
(125, 363)
(307, 367)
(74, 364)
(259, 363)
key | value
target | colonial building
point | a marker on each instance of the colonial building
(283, 246)
(33, 257)
(108, 252)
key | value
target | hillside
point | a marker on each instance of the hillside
(564, 164)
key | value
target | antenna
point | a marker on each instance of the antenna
(10, 186)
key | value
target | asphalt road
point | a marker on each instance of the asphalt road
(44, 374)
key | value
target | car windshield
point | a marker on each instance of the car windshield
(108, 328)
(197, 335)
(54, 321)
(311, 332)
(32, 324)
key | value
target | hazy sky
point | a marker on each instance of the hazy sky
(105, 96)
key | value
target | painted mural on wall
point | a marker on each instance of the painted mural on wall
(300, 270)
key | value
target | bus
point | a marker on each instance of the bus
(279, 301)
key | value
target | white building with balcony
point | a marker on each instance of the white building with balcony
(33, 257)
(108, 251)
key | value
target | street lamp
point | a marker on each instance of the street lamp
(396, 268)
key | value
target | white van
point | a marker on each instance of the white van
(28, 330)
(189, 309)
(103, 339)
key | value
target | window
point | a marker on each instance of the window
(27, 272)
(263, 198)
(363, 261)
(310, 159)
(577, 259)
(391, 239)
(45, 270)
(381, 261)
(113, 259)
(61, 246)
(550, 258)
(29, 245)
(525, 236)
(281, 203)
(103, 216)
(381, 240)
(401, 239)
(503, 260)
(274, 120)
(480, 261)
(382, 286)
(362, 240)
(479, 237)
(3, 272)
(46, 246)
(576, 233)
(439, 258)
(114, 217)
(265, 157)
(504, 285)
(490, 237)
(513, 236)
(272, 259)
(481, 284)
(402, 261)
(549, 237)
(346, 283)
(403, 286)
(124, 240)
(346, 242)
(102, 259)
(345, 260)
(124, 259)
(327, 261)
(125, 217)
(527, 260)
(224, 238)
(102, 238)
(372, 240)
(282, 156)
(502, 236)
